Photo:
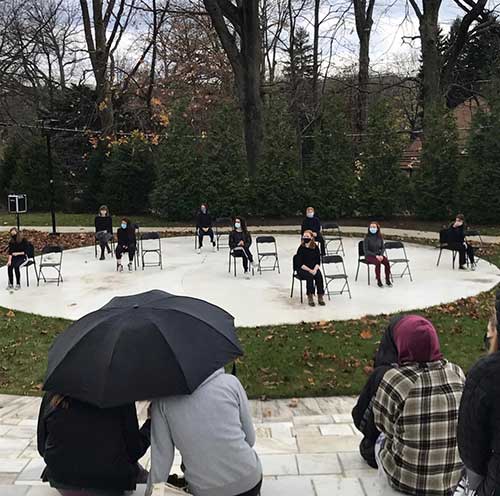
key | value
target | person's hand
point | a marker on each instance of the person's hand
(241, 243)
(315, 234)
(205, 229)
(9, 263)
(380, 258)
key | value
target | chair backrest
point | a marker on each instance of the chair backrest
(150, 235)
(330, 225)
(393, 245)
(332, 259)
(52, 249)
(30, 250)
(265, 239)
(295, 263)
(361, 249)
(443, 236)
(472, 232)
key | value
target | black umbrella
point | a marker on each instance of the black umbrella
(140, 347)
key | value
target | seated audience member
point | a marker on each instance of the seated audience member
(213, 431)
(374, 253)
(126, 242)
(457, 241)
(312, 223)
(240, 241)
(18, 247)
(103, 229)
(416, 411)
(308, 268)
(204, 226)
(90, 448)
(478, 432)
(362, 414)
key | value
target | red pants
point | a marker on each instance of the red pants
(384, 262)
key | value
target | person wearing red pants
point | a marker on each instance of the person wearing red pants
(374, 253)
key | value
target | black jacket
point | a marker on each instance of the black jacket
(89, 447)
(236, 236)
(103, 223)
(203, 220)
(362, 414)
(310, 257)
(15, 247)
(126, 237)
(313, 225)
(456, 235)
(479, 422)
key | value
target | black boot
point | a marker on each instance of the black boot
(102, 255)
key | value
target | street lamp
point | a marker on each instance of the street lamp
(50, 170)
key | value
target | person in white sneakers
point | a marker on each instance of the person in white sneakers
(204, 227)
(127, 242)
(18, 246)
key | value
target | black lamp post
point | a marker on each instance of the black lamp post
(50, 170)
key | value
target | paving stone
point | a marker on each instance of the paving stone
(342, 418)
(12, 464)
(352, 461)
(373, 486)
(12, 448)
(312, 420)
(7, 479)
(262, 432)
(279, 465)
(366, 472)
(326, 444)
(288, 486)
(33, 471)
(276, 446)
(21, 432)
(336, 430)
(13, 490)
(337, 486)
(280, 429)
(318, 464)
(312, 430)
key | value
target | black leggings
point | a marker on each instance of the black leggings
(120, 250)
(253, 492)
(312, 281)
(202, 233)
(15, 266)
(245, 254)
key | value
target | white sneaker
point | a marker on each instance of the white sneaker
(198, 251)
(119, 267)
(9, 287)
(18, 287)
(214, 248)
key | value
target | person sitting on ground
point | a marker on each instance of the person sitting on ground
(18, 248)
(478, 432)
(126, 242)
(373, 246)
(204, 226)
(416, 411)
(90, 448)
(214, 433)
(308, 267)
(312, 223)
(362, 414)
(103, 230)
(240, 241)
(457, 241)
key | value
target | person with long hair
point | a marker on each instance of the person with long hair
(308, 266)
(478, 432)
(103, 223)
(240, 241)
(204, 226)
(374, 253)
(126, 242)
(18, 247)
(416, 410)
(90, 448)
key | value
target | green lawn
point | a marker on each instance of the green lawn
(325, 358)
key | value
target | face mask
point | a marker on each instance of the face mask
(103, 212)
(237, 225)
(310, 215)
(307, 240)
(124, 226)
(459, 223)
(373, 230)
(203, 210)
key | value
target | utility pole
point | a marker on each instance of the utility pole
(50, 171)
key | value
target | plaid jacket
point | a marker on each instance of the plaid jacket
(416, 407)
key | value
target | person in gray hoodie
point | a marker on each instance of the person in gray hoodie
(214, 433)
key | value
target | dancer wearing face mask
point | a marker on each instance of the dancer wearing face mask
(374, 253)
(312, 223)
(204, 227)
(456, 240)
(126, 243)
(18, 248)
(240, 241)
(103, 229)
(308, 263)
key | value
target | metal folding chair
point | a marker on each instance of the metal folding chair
(149, 248)
(295, 275)
(333, 235)
(475, 239)
(337, 261)
(261, 255)
(111, 241)
(51, 258)
(362, 260)
(445, 245)
(137, 232)
(401, 258)
(222, 227)
(30, 262)
(233, 255)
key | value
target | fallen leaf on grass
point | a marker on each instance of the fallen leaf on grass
(366, 334)
(294, 403)
(10, 314)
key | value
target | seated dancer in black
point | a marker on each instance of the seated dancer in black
(18, 248)
(457, 241)
(204, 227)
(126, 242)
(103, 229)
(240, 241)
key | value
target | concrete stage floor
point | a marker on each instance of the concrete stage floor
(261, 300)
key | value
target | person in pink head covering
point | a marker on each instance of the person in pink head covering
(416, 410)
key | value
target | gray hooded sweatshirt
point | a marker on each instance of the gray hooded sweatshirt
(214, 433)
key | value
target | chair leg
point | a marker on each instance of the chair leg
(357, 272)
(293, 282)
(439, 258)
(301, 293)
(368, 269)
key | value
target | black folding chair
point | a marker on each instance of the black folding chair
(261, 255)
(30, 262)
(333, 235)
(362, 260)
(51, 258)
(137, 232)
(341, 275)
(151, 248)
(445, 245)
(222, 228)
(400, 258)
(111, 241)
(476, 241)
(233, 255)
(295, 275)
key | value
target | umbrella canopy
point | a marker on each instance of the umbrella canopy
(141, 347)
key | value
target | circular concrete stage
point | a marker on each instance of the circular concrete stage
(262, 300)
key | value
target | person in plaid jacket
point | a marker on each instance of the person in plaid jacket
(416, 410)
